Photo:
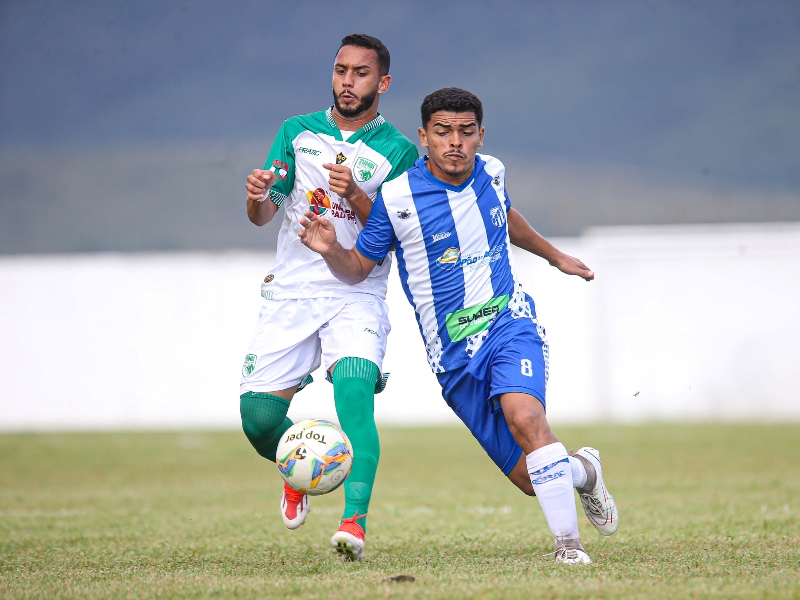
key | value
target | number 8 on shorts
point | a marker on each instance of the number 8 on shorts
(526, 367)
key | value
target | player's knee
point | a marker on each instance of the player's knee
(264, 421)
(526, 420)
(253, 420)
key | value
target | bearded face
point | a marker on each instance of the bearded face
(353, 109)
(357, 81)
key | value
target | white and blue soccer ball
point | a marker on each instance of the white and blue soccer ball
(314, 457)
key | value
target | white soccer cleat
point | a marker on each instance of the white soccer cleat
(294, 507)
(572, 556)
(597, 503)
(348, 541)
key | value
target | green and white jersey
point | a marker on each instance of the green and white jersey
(375, 153)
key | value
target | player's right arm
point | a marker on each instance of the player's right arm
(319, 235)
(269, 187)
(260, 209)
(351, 266)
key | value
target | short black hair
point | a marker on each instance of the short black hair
(362, 40)
(451, 99)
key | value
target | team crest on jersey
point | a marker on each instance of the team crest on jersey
(498, 216)
(340, 158)
(449, 259)
(249, 365)
(318, 201)
(269, 278)
(364, 169)
(404, 213)
(496, 180)
(281, 169)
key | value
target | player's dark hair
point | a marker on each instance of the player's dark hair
(451, 100)
(362, 40)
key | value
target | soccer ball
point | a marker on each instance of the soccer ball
(314, 457)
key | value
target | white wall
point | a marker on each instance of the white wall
(691, 322)
(702, 321)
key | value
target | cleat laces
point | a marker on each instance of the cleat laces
(570, 554)
(593, 505)
(350, 526)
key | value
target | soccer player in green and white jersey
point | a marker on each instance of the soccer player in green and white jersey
(332, 162)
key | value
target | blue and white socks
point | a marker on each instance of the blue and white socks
(552, 477)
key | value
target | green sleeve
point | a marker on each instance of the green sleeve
(404, 162)
(280, 161)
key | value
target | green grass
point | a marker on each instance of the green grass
(705, 511)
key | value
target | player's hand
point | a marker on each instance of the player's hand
(318, 234)
(258, 184)
(572, 266)
(341, 180)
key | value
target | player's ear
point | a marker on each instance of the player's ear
(383, 83)
(423, 137)
(480, 138)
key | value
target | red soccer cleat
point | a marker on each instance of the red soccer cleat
(349, 540)
(294, 507)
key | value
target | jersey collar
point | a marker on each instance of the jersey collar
(375, 123)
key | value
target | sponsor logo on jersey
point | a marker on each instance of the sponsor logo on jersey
(342, 212)
(449, 259)
(310, 151)
(453, 258)
(441, 236)
(496, 180)
(281, 169)
(340, 158)
(249, 365)
(364, 169)
(498, 216)
(474, 319)
(372, 332)
(318, 201)
(404, 213)
(269, 278)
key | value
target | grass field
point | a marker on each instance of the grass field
(705, 511)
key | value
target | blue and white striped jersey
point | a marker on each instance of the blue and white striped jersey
(452, 248)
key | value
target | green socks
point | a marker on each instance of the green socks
(354, 393)
(264, 421)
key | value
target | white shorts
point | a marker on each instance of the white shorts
(293, 337)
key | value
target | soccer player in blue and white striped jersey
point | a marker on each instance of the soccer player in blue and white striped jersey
(450, 221)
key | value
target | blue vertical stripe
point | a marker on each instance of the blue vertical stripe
(433, 210)
(502, 282)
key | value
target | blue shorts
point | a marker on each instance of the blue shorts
(513, 358)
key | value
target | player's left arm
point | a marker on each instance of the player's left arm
(527, 238)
